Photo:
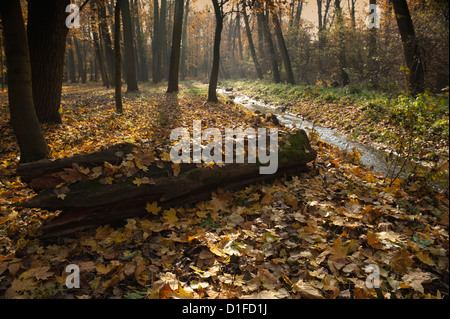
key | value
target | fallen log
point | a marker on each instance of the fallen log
(117, 194)
(47, 173)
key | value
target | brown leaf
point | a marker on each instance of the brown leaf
(306, 290)
(401, 261)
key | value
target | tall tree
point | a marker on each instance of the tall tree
(97, 48)
(80, 63)
(105, 37)
(270, 47)
(250, 43)
(341, 44)
(24, 121)
(130, 62)
(175, 51)
(372, 48)
(117, 58)
(410, 46)
(213, 79)
(283, 48)
(163, 38)
(47, 42)
(71, 61)
(156, 51)
(184, 42)
(141, 47)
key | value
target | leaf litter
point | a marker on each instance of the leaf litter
(306, 236)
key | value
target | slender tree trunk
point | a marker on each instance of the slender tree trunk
(410, 46)
(142, 52)
(117, 58)
(283, 50)
(156, 59)
(271, 50)
(372, 59)
(251, 45)
(81, 69)
(342, 56)
(213, 80)
(175, 53)
(163, 38)
(184, 43)
(71, 62)
(238, 31)
(98, 52)
(24, 121)
(47, 43)
(130, 62)
(105, 36)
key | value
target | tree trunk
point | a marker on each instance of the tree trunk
(105, 36)
(175, 53)
(372, 54)
(410, 46)
(251, 45)
(271, 49)
(283, 50)
(156, 48)
(71, 62)
(89, 202)
(24, 121)
(342, 56)
(117, 58)
(142, 52)
(81, 69)
(130, 63)
(163, 38)
(98, 51)
(184, 43)
(47, 43)
(213, 80)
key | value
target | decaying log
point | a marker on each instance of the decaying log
(91, 202)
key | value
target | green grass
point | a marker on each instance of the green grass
(425, 116)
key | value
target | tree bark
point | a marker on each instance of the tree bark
(105, 36)
(270, 48)
(156, 47)
(213, 80)
(47, 42)
(372, 54)
(283, 50)
(130, 63)
(410, 46)
(98, 51)
(184, 43)
(80, 65)
(342, 56)
(141, 47)
(163, 38)
(117, 58)
(251, 45)
(175, 51)
(24, 121)
(71, 61)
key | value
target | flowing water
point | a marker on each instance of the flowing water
(371, 157)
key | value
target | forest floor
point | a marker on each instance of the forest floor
(321, 234)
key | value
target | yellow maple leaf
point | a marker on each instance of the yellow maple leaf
(170, 215)
(425, 258)
(153, 208)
